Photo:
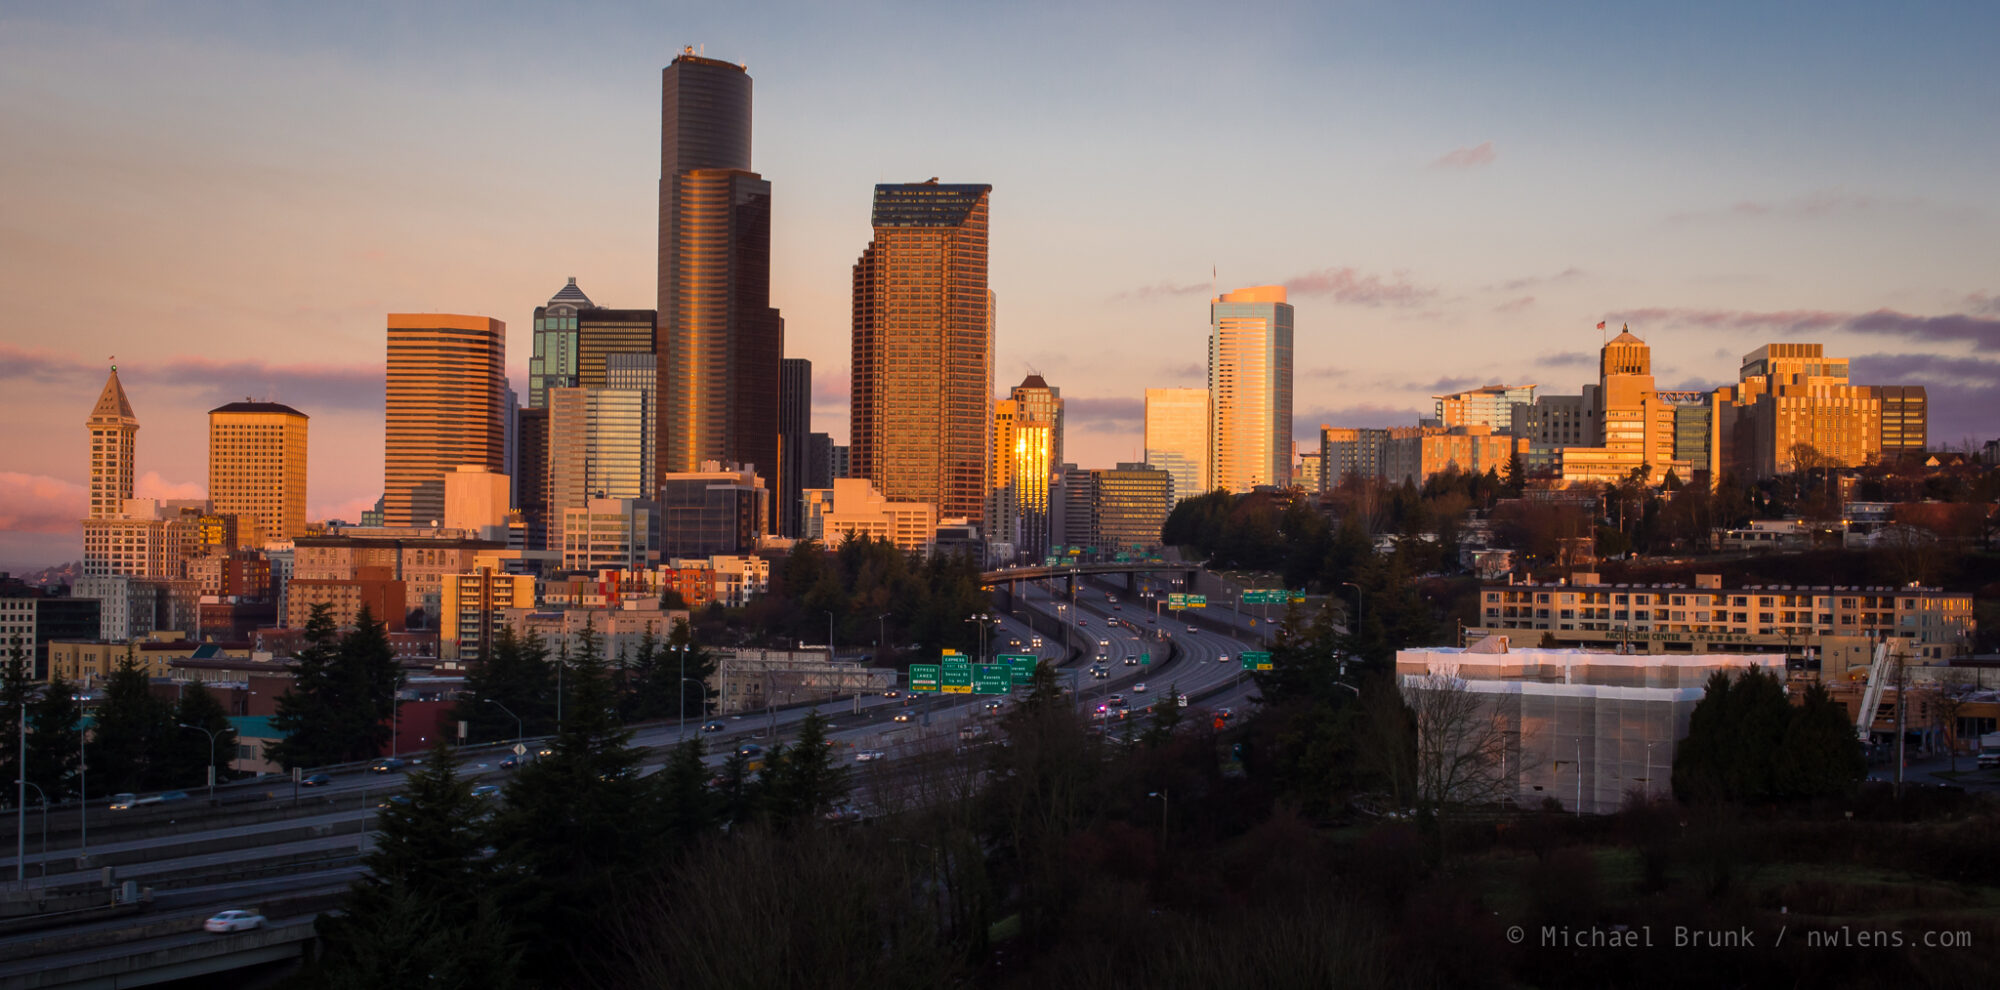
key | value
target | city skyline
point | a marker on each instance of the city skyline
(1718, 182)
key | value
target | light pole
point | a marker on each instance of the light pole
(1162, 795)
(519, 726)
(1360, 607)
(829, 637)
(685, 681)
(681, 689)
(881, 627)
(82, 793)
(210, 733)
(45, 828)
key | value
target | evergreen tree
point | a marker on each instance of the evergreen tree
(185, 763)
(54, 738)
(1735, 734)
(736, 793)
(1167, 716)
(687, 808)
(306, 717)
(343, 694)
(575, 828)
(423, 914)
(1821, 756)
(808, 781)
(518, 675)
(131, 729)
(16, 686)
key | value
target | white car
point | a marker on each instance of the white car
(1139, 688)
(234, 921)
(868, 756)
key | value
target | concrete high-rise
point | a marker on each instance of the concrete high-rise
(1027, 454)
(921, 406)
(1177, 437)
(719, 341)
(114, 432)
(794, 429)
(1250, 389)
(447, 389)
(257, 468)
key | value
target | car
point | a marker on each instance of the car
(1083, 622)
(1222, 659)
(511, 762)
(901, 717)
(166, 796)
(124, 802)
(868, 756)
(545, 751)
(1131, 661)
(750, 751)
(711, 726)
(892, 693)
(318, 780)
(233, 920)
(992, 706)
(486, 791)
(1193, 629)
(399, 800)
(1152, 618)
(1225, 713)
(1116, 607)
(1104, 643)
(1115, 701)
(1036, 642)
(1139, 688)
(388, 764)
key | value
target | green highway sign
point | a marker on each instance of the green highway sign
(1257, 660)
(923, 677)
(1146, 659)
(1176, 600)
(1266, 596)
(992, 678)
(1197, 601)
(1021, 664)
(957, 680)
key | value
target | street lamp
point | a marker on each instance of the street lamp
(682, 705)
(210, 733)
(45, 829)
(519, 726)
(1162, 795)
(881, 635)
(1360, 607)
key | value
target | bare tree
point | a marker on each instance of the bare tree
(1462, 744)
(1949, 697)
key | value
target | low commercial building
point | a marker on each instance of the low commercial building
(1837, 624)
(1583, 728)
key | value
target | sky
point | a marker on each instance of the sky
(227, 198)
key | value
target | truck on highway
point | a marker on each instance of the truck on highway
(971, 733)
(1989, 751)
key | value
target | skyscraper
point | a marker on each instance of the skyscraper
(794, 427)
(574, 337)
(1027, 453)
(1177, 437)
(921, 405)
(1250, 389)
(257, 467)
(445, 397)
(114, 432)
(719, 341)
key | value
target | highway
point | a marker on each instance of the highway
(270, 845)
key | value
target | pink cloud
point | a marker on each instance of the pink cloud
(1349, 286)
(1159, 290)
(1476, 156)
(1515, 305)
(152, 485)
(37, 503)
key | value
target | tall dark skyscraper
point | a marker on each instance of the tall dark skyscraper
(795, 392)
(921, 418)
(719, 340)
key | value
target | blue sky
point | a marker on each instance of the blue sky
(229, 196)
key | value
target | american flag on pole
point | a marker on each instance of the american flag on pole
(1600, 324)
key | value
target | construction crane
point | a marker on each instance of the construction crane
(1871, 696)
